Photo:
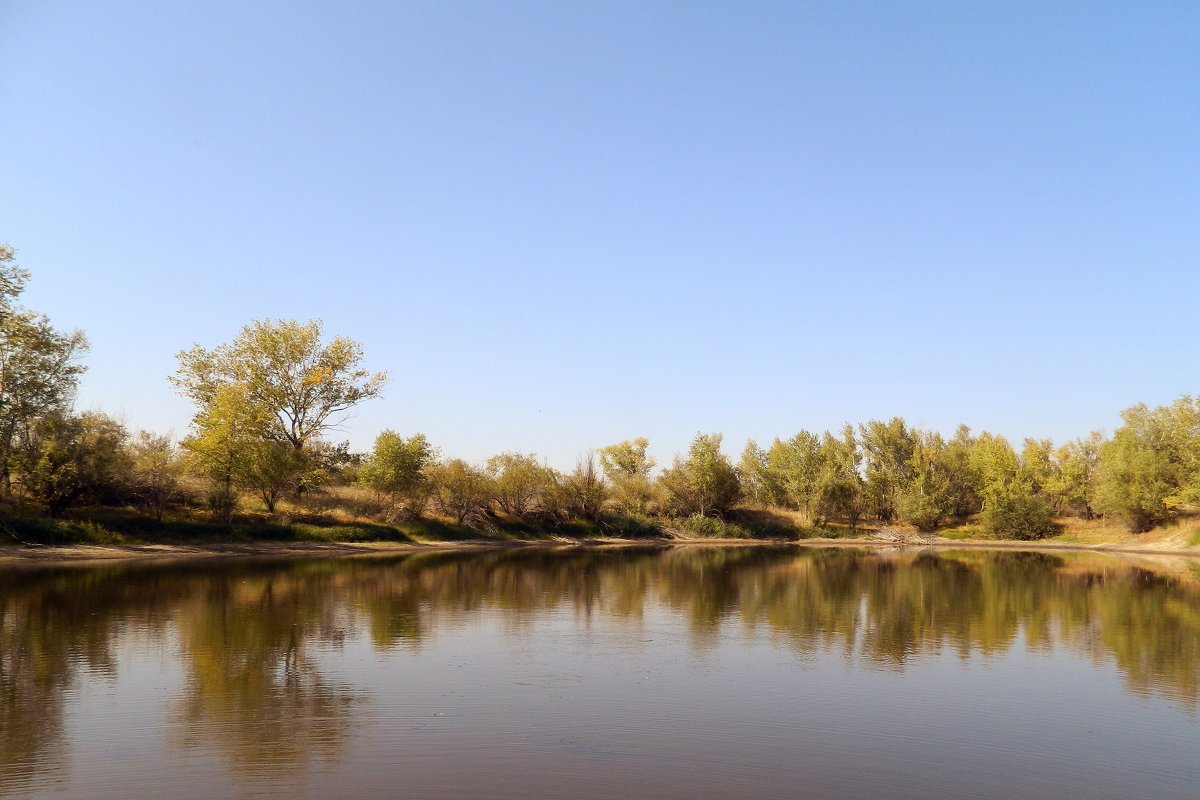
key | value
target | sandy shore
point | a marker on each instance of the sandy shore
(80, 554)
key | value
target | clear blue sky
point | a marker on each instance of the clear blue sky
(558, 225)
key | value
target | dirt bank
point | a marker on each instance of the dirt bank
(87, 553)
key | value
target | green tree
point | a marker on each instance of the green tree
(270, 469)
(39, 365)
(796, 465)
(841, 482)
(927, 498)
(461, 489)
(518, 482)
(705, 483)
(964, 481)
(70, 460)
(995, 462)
(156, 469)
(627, 468)
(1074, 483)
(1146, 471)
(1016, 513)
(298, 386)
(760, 483)
(1039, 470)
(888, 455)
(398, 469)
(586, 490)
(225, 431)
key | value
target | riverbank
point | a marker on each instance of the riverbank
(11, 555)
(107, 534)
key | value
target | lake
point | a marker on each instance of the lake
(657, 672)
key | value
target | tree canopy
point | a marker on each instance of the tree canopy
(303, 385)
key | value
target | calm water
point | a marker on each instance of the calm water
(689, 673)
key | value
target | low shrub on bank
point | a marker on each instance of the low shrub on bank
(1020, 516)
(631, 526)
(708, 528)
(57, 531)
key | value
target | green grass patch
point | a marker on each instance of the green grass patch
(962, 532)
(709, 528)
(58, 531)
(742, 525)
(347, 532)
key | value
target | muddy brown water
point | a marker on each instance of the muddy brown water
(684, 672)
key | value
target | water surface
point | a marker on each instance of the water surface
(688, 672)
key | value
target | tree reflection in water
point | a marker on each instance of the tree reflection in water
(252, 634)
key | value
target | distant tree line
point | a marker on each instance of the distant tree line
(268, 402)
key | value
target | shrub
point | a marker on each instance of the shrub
(710, 527)
(1018, 515)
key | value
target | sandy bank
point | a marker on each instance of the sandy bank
(11, 555)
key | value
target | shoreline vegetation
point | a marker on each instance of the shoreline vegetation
(260, 464)
(79, 554)
(305, 540)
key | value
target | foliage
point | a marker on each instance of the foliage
(155, 471)
(1074, 483)
(1147, 470)
(796, 467)
(39, 365)
(276, 388)
(68, 460)
(226, 446)
(301, 385)
(760, 483)
(963, 482)
(398, 469)
(1018, 514)
(461, 490)
(841, 485)
(705, 483)
(585, 490)
(627, 468)
(888, 456)
(518, 482)
(710, 527)
(631, 526)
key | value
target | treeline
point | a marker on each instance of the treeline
(883, 472)
(268, 402)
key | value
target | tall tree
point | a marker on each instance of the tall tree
(283, 366)
(1074, 483)
(705, 483)
(961, 474)
(927, 498)
(461, 489)
(39, 365)
(1148, 470)
(155, 471)
(628, 467)
(518, 482)
(760, 483)
(285, 376)
(796, 465)
(841, 482)
(888, 453)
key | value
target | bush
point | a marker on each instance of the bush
(1020, 516)
(704, 484)
(630, 526)
(710, 527)
(920, 510)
